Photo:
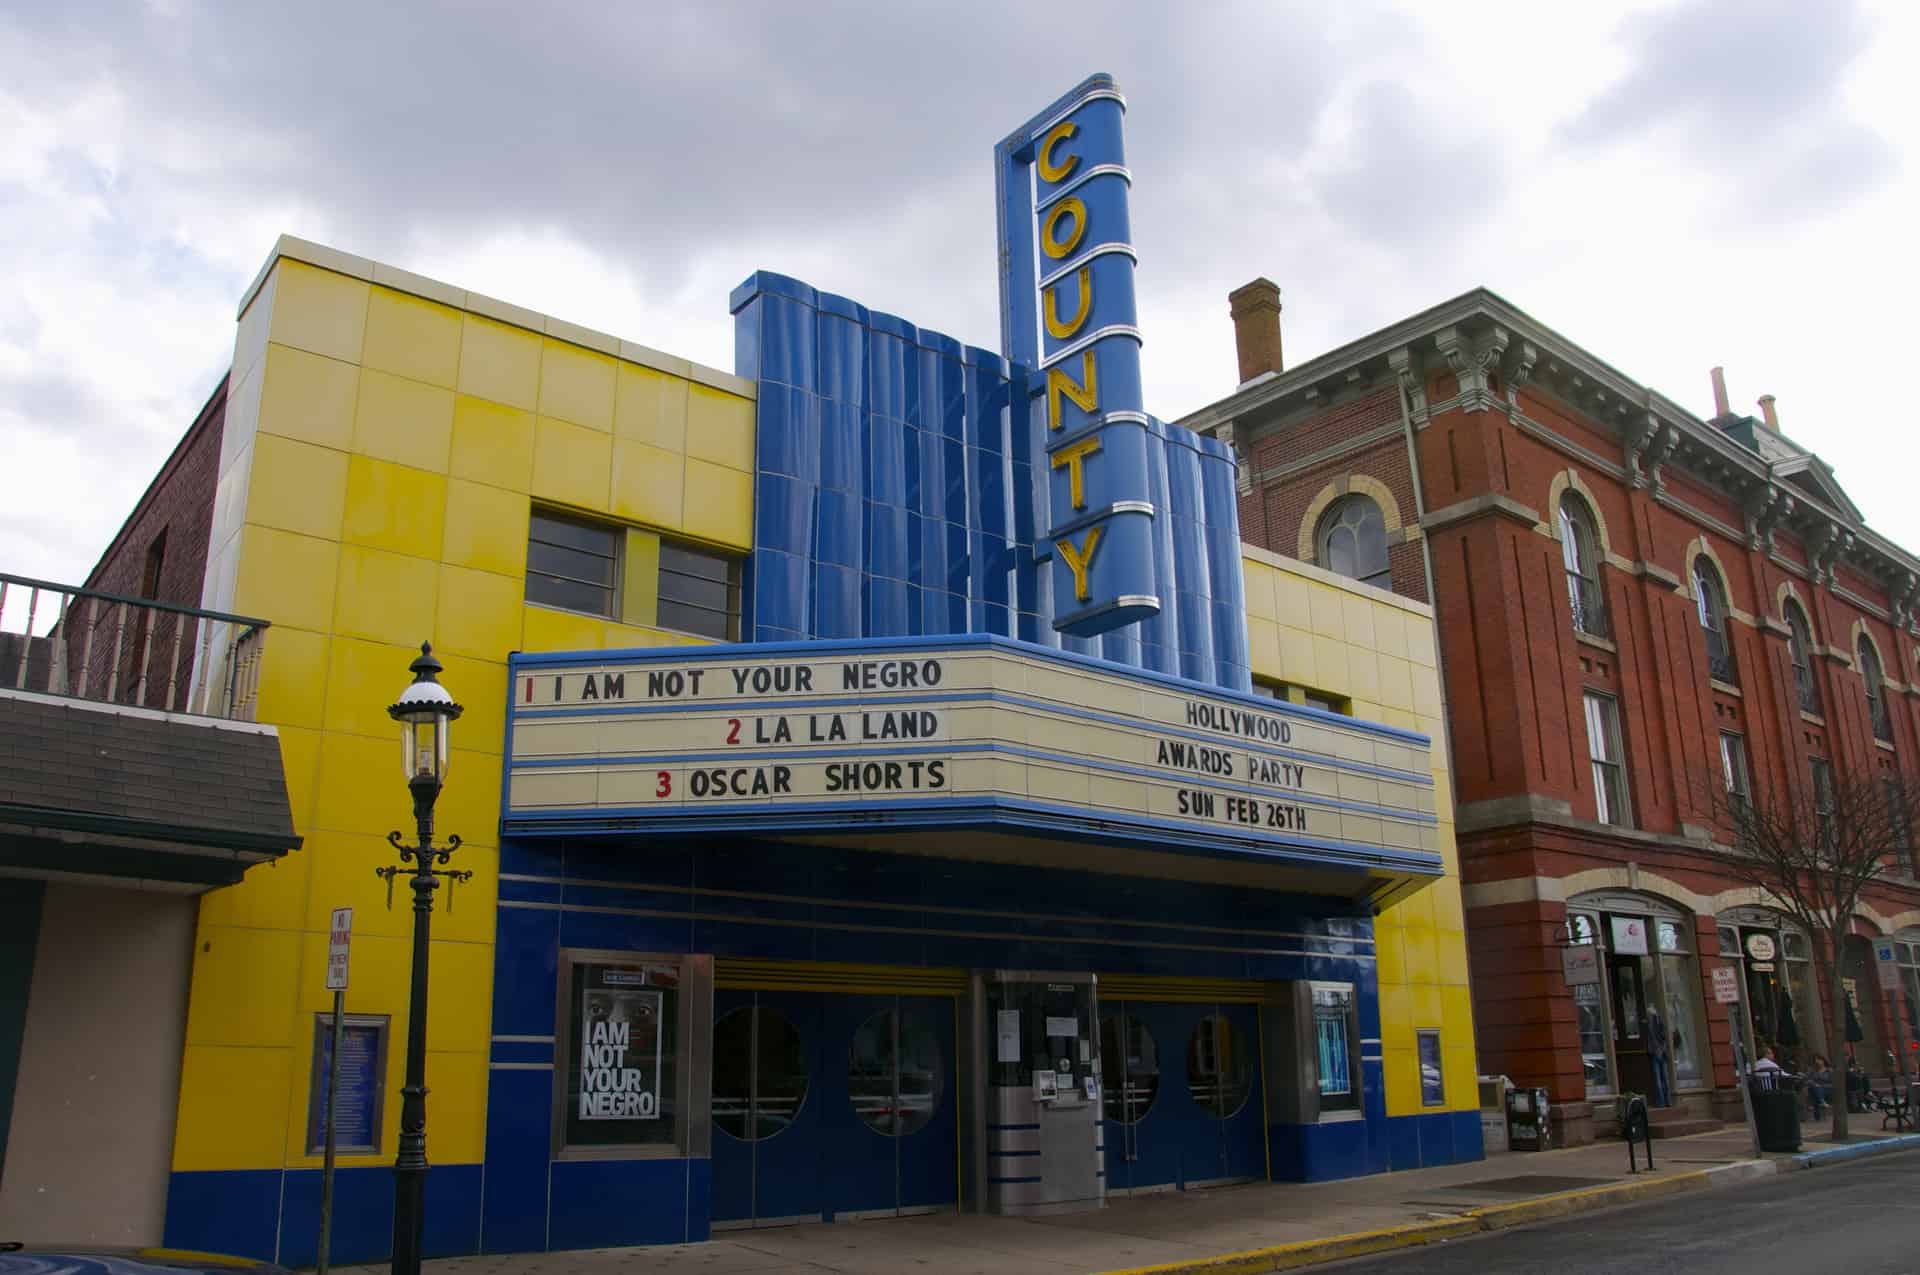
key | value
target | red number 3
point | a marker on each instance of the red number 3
(665, 787)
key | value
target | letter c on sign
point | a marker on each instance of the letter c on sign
(1051, 171)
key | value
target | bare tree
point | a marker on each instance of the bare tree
(1811, 849)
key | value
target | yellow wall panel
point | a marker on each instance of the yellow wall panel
(480, 686)
(548, 629)
(460, 996)
(233, 1107)
(1460, 1069)
(640, 587)
(343, 865)
(570, 464)
(412, 337)
(649, 484)
(240, 997)
(272, 896)
(486, 528)
(499, 362)
(470, 802)
(720, 428)
(621, 636)
(297, 486)
(308, 397)
(719, 505)
(394, 507)
(1326, 615)
(1257, 580)
(576, 385)
(459, 1084)
(479, 613)
(650, 407)
(492, 443)
(362, 679)
(286, 578)
(1358, 613)
(319, 311)
(404, 421)
(292, 692)
(1403, 1082)
(1330, 665)
(470, 918)
(385, 597)
(360, 790)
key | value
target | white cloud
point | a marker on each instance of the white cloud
(1672, 185)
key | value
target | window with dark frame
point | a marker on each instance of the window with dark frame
(699, 591)
(1711, 599)
(573, 564)
(1800, 654)
(1433, 1085)
(1733, 768)
(1822, 797)
(1609, 770)
(1353, 541)
(1876, 691)
(1580, 556)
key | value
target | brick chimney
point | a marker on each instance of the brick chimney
(1720, 405)
(1767, 414)
(1256, 327)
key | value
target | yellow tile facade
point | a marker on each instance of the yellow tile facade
(383, 452)
(1315, 631)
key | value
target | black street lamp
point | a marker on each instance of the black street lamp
(424, 711)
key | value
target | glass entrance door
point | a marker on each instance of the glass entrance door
(1629, 1024)
(831, 1105)
(1180, 1092)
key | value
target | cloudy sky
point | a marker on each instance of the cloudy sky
(1672, 185)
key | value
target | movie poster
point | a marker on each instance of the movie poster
(620, 1049)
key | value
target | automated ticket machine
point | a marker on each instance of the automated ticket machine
(1043, 1093)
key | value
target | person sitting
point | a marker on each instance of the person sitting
(1819, 1085)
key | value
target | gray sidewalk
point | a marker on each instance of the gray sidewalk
(1170, 1227)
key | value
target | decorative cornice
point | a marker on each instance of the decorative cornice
(1490, 505)
(1766, 508)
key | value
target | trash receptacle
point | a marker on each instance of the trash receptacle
(1527, 1127)
(1776, 1110)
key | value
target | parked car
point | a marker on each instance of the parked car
(87, 1259)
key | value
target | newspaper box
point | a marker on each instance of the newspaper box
(1527, 1128)
(1493, 1114)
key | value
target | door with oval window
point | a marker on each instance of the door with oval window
(1180, 1092)
(766, 1153)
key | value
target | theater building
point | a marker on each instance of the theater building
(891, 784)
(1637, 607)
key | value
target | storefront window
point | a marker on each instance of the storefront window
(896, 1075)
(620, 1083)
(1680, 986)
(1433, 1088)
(1589, 1001)
(759, 1073)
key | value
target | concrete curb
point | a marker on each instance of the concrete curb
(1856, 1150)
(1492, 1217)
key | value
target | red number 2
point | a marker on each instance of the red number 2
(665, 787)
(733, 730)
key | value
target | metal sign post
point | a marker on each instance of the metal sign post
(339, 936)
(1726, 990)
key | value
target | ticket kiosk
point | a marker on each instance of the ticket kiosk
(1043, 1144)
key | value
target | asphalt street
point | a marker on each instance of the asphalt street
(1855, 1219)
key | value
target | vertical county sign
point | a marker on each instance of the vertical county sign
(1068, 313)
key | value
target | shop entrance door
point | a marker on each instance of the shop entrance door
(829, 1105)
(1629, 1024)
(1180, 1094)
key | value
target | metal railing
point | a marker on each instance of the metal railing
(1720, 665)
(59, 639)
(1589, 612)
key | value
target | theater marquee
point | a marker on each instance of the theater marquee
(827, 737)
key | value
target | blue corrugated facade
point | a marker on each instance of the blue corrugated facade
(898, 496)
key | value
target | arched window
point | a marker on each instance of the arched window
(1580, 554)
(1876, 691)
(1353, 541)
(1711, 599)
(1800, 652)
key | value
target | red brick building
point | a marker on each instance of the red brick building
(1634, 605)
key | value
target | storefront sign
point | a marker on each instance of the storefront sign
(1888, 964)
(339, 939)
(1761, 947)
(1581, 964)
(1066, 289)
(749, 737)
(1726, 985)
(363, 1059)
(1629, 935)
